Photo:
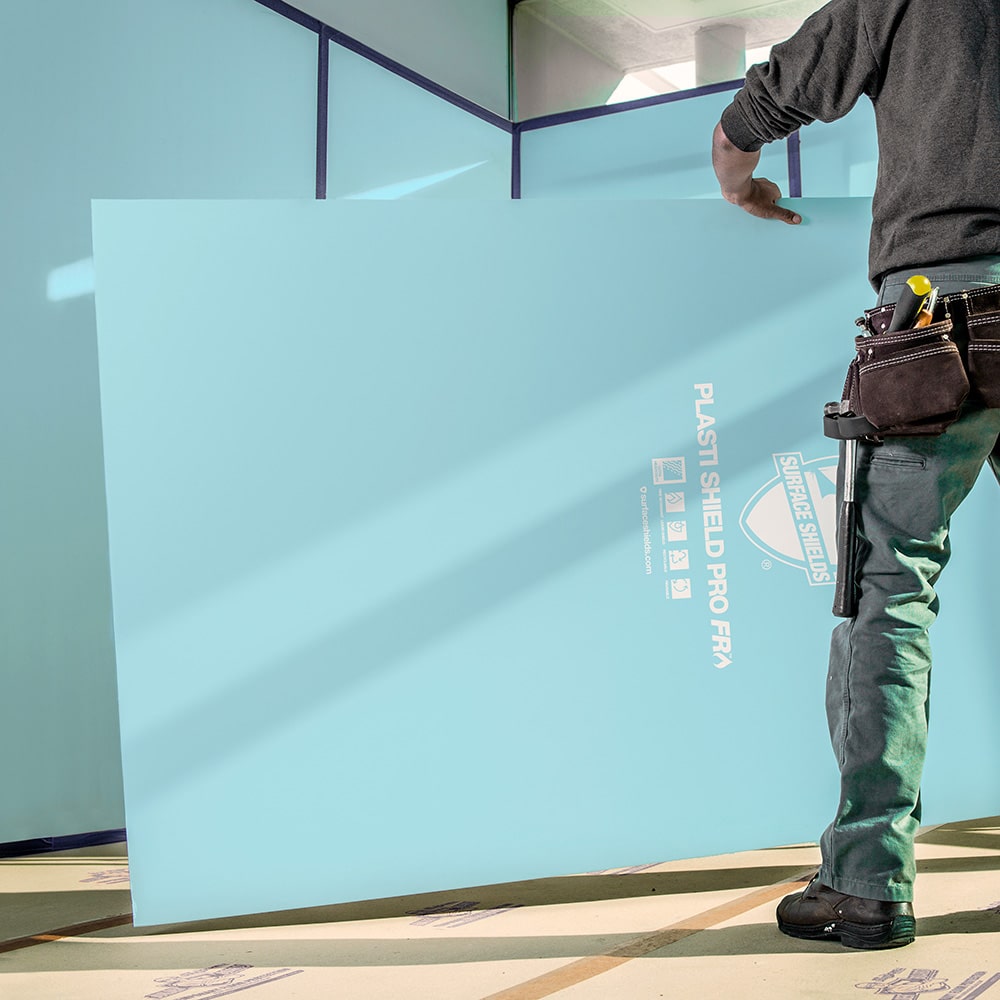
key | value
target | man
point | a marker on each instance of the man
(930, 68)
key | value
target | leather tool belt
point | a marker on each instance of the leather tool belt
(913, 382)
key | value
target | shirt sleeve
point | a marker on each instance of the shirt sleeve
(817, 75)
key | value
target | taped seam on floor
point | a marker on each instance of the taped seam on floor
(75, 930)
(595, 965)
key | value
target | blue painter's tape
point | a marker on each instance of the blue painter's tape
(515, 164)
(795, 165)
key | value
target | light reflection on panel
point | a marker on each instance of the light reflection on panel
(389, 138)
(70, 281)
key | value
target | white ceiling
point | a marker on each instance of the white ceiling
(640, 34)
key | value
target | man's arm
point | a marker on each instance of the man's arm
(734, 168)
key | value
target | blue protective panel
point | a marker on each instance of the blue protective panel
(390, 139)
(662, 151)
(457, 44)
(841, 159)
(110, 98)
(449, 587)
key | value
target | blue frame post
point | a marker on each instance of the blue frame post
(322, 110)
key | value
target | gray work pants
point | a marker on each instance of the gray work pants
(906, 491)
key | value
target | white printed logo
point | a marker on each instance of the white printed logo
(217, 981)
(923, 982)
(793, 516)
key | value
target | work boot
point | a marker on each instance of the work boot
(820, 913)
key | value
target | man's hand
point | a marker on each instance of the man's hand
(734, 168)
(758, 197)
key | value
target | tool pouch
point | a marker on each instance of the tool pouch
(908, 383)
(913, 382)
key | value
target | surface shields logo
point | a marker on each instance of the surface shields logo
(928, 984)
(215, 982)
(793, 517)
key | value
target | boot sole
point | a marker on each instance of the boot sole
(901, 930)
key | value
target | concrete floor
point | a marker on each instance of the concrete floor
(697, 928)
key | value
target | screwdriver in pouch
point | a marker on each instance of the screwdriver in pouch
(913, 296)
(926, 315)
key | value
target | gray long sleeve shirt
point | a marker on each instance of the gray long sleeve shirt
(932, 70)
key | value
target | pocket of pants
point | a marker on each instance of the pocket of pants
(984, 357)
(900, 463)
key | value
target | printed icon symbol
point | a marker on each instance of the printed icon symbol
(668, 471)
(679, 559)
(677, 531)
(679, 589)
(673, 503)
